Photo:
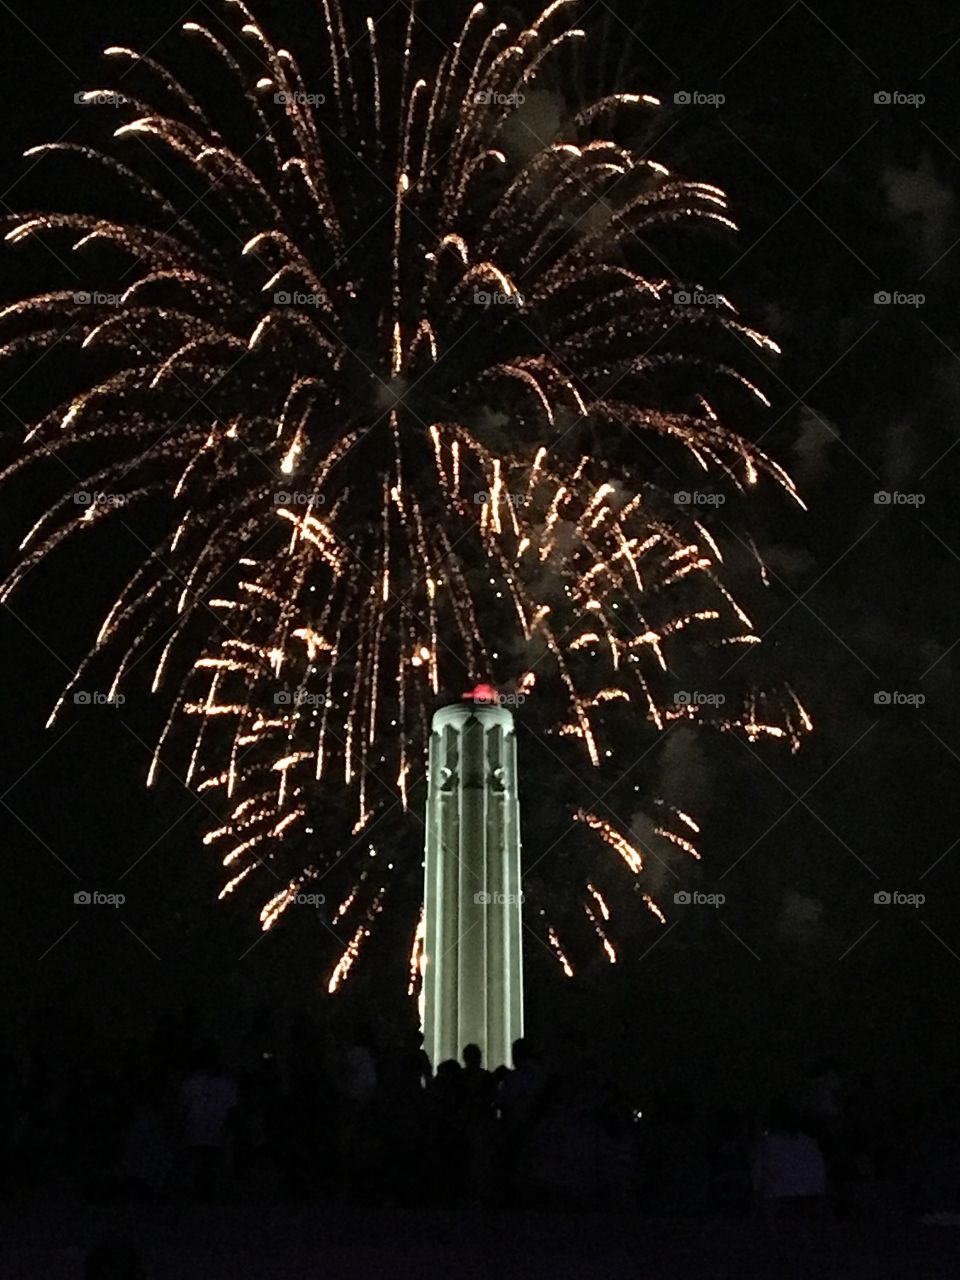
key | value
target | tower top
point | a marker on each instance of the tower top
(488, 711)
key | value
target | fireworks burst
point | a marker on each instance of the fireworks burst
(388, 368)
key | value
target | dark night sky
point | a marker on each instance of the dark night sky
(838, 198)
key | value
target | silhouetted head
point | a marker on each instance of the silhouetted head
(448, 1069)
(521, 1052)
(472, 1056)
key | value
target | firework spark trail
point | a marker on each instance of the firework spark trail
(307, 401)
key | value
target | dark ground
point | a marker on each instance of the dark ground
(231, 1244)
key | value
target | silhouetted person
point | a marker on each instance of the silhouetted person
(478, 1094)
(445, 1091)
(520, 1089)
(360, 1131)
(476, 1082)
(936, 1190)
(473, 1057)
(447, 1128)
(566, 1153)
(790, 1174)
(207, 1098)
(675, 1172)
(517, 1098)
(147, 1149)
(730, 1191)
(360, 1066)
(404, 1077)
(410, 1068)
(308, 1145)
(823, 1099)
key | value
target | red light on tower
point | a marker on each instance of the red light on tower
(482, 693)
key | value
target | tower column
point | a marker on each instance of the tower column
(473, 975)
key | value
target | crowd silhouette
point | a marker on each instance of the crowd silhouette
(305, 1117)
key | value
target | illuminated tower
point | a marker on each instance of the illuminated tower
(473, 978)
